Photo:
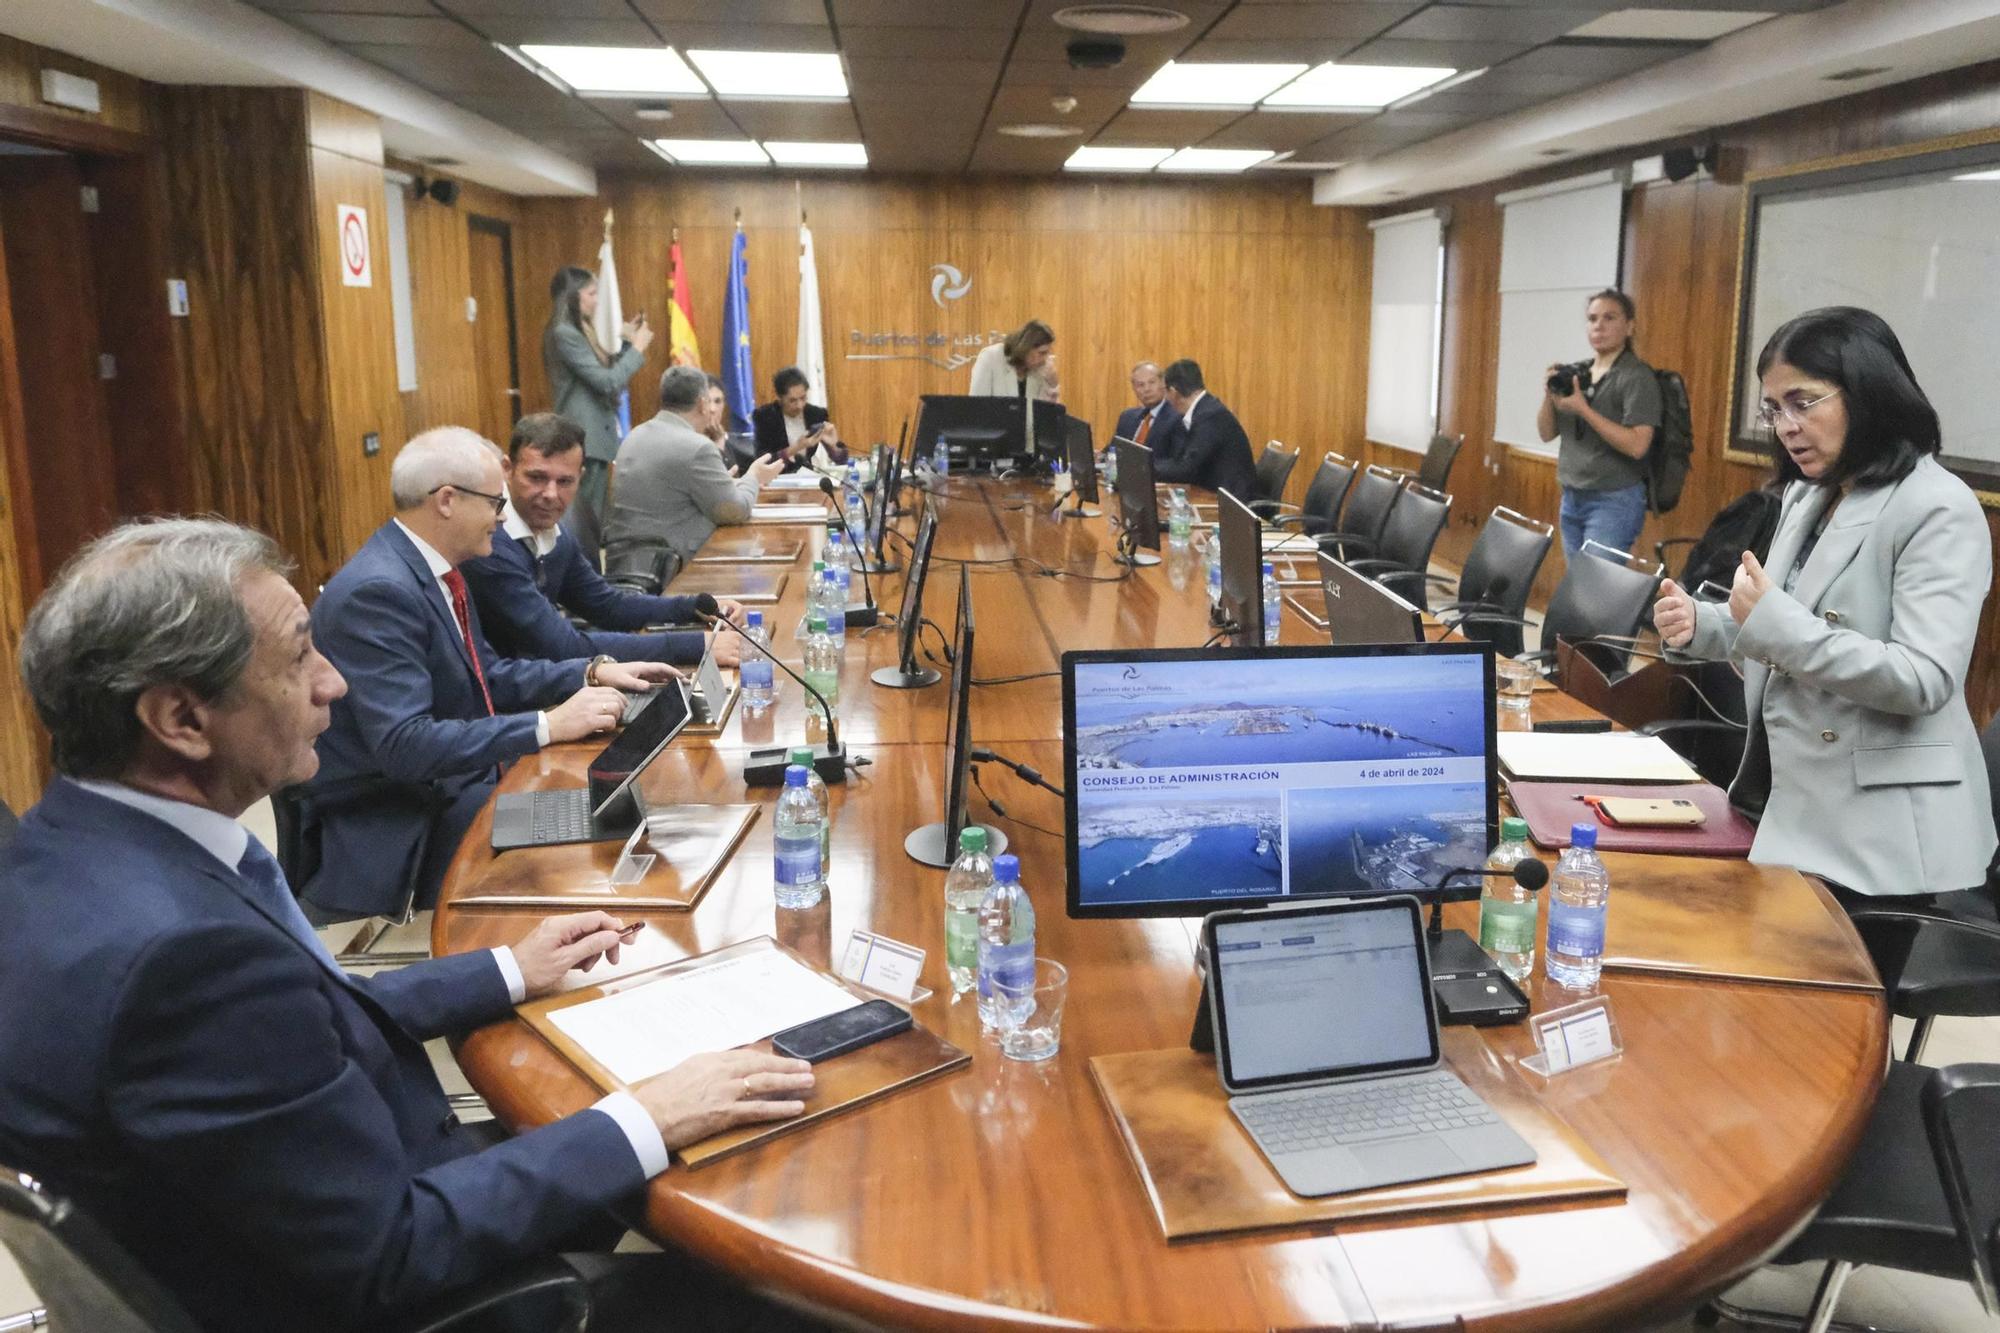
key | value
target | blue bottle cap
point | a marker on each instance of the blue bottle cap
(795, 775)
(1583, 835)
(754, 619)
(1270, 568)
(1007, 868)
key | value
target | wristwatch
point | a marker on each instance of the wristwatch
(590, 672)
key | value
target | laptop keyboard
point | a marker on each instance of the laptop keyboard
(562, 816)
(635, 703)
(1344, 1114)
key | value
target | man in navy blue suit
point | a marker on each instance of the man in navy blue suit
(431, 711)
(263, 1132)
(1147, 423)
(1208, 447)
(537, 570)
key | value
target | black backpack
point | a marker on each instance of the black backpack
(1672, 454)
(1746, 523)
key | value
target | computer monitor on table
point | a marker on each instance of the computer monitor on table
(1138, 504)
(994, 433)
(937, 844)
(1242, 538)
(1360, 610)
(908, 673)
(1207, 778)
(1081, 455)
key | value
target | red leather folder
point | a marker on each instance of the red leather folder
(1551, 807)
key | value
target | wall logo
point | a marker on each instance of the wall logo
(948, 284)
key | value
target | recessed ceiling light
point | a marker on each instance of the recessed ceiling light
(652, 111)
(1993, 175)
(1215, 159)
(1034, 130)
(1093, 158)
(771, 73)
(1177, 84)
(1335, 87)
(1858, 72)
(1669, 25)
(617, 71)
(795, 154)
(1120, 20)
(714, 152)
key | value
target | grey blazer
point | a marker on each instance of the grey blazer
(672, 486)
(585, 389)
(1856, 680)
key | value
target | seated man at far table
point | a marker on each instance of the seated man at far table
(1206, 446)
(673, 488)
(537, 571)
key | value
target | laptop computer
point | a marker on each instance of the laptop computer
(1326, 1038)
(607, 809)
(709, 685)
(1360, 610)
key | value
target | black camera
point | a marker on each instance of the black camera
(1566, 380)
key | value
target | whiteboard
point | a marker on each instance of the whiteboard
(1922, 250)
(1404, 325)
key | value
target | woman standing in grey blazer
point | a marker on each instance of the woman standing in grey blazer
(585, 378)
(1861, 756)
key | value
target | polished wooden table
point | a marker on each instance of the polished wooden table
(1002, 1195)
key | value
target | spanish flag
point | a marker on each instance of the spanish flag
(682, 347)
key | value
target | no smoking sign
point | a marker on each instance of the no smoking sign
(354, 265)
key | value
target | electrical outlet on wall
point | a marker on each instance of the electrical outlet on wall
(371, 444)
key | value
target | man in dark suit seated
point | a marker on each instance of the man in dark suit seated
(1147, 423)
(263, 1132)
(1208, 447)
(430, 706)
(790, 428)
(537, 571)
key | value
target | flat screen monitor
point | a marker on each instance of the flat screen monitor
(909, 673)
(958, 729)
(1242, 538)
(1360, 610)
(1138, 502)
(990, 431)
(1082, 457)
(1206, 778)
(883, 495)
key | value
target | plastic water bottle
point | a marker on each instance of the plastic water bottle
(840, 592)
(815, 598)
(1006, 943)
(941, 458)
(1180, 521)
(1271, 616)
(1211, 555)
(1506, 910)
(802, 755)
(857, 516)
(1579, 896)
(965, 888)
(1110, 468)
(800, 879)
(833, 608)
(822, 664)
(755, 670)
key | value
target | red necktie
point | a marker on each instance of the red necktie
(1145, 424)
(459, 608)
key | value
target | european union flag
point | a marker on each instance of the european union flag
(738, 380)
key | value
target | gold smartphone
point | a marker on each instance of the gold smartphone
(1637, 812)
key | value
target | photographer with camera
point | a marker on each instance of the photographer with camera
(1607, 411)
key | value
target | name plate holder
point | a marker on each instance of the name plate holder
(1573, 1036)
(887, 967)
(633, 863)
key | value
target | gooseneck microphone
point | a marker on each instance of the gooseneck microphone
(766, 768)
(861, 617)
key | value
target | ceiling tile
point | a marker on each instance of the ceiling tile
(924, 43)
(965, 77)
(1310, 23)
(816, 39)
(1446, 55)
(1057, 73)
(422, 8)
(808, 12)
(1603, 60)
(1150, 127)
(563, 30)
(816, 121)
(581, 9)
(1283, 131)
(385, 30)
(478, 70)
(923, 13)
(1021, 101)
(1027, 156)
(1518, 26)
(694, 118)
(531, 107)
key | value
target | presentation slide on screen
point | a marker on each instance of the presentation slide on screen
(1291, 776)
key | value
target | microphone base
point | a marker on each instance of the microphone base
(880, 567)
(863, 617)
(926, 845)
(766, 768)
(894, 678)
(1138, 559)
(1471, 989)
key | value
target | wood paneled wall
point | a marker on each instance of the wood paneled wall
(447, 391)
(127, 113)
(1267, 291)
(1682, 255)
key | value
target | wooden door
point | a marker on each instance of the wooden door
(493, 327)
(63, 467)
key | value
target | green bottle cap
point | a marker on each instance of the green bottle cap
(802, 754)
(972, 838)
(1513, 829)
(816, 625)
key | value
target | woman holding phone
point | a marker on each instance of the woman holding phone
(586, 378)
(789, 427)
(1861, 758)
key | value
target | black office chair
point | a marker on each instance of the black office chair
(1408, 538)
(587, 526)
(298, 855)
(1498, 575)
(1274, 469)
(90, 1282)
(1921, 1194)
(1358, 529)
(1603, 599)
(642, 569)
(1435, 471)
(1324, 497)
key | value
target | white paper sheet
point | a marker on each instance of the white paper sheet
(1604, 757)
(651, 1028)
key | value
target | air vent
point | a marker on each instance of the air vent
(1120, 20)
(1554, 152)
(1858, 72)
(1040, 131)
(442, 161)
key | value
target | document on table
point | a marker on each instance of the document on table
(1606, 757)
(793, 481)
(649, 1029)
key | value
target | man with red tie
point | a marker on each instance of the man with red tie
(1146, 423)
(431, 713)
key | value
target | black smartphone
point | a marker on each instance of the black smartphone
(837, 1034)
(1583, 726)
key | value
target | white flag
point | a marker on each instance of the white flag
(811, 358)
(610, 319)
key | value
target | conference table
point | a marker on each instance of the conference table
(1001, 1194)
